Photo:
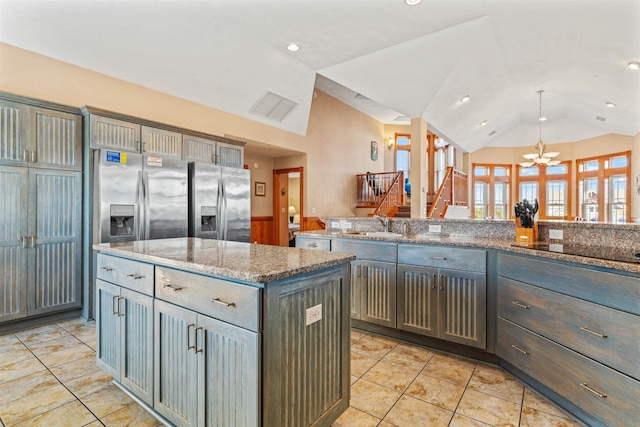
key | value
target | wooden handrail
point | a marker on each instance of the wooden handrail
(453, 191)
(393, 197)
(375, 188)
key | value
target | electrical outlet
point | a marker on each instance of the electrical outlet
(346, 225)
(556, 247)
(335, 224)
(556, 234)
(435, 228)
(313, 314)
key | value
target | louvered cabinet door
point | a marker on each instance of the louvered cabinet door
(418, 300)
(229, 367)
(136, 372)
(175, 363)
(462, 307)
(114, 134)
(108, 328)
(229, 155)
(55, 230)
(14, 138)
(58, 139)
(161, 142)
(379, 292)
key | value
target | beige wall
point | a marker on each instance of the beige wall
(261, 206)
(337, 142)
(635, 179)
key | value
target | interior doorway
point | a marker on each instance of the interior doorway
(288, 204)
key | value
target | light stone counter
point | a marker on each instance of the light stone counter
(234, 260)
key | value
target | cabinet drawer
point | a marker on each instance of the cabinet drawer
(375, 251)
(443, 257)
(575, 377)
(313, 243)
(127, 273)
(613, 290)
(602, 333)
(231, 302)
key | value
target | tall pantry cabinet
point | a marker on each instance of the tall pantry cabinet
(40, 207)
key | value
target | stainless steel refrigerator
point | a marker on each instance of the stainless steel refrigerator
(219, 202)
(139, 197)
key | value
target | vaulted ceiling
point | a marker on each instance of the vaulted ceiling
(390, 60)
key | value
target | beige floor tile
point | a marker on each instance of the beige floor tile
(15, 356)
(436, 391)
(353, 417)
(391, 375)
(90, 383)
(410, 412)
(71, 414)
(372, 398)
(91, 344)
(66, 355)
(354, 379)
(106, 401)
(361, 364)
(95, 424)
(25, 386)
(356, 336)
(38, 403)
(75, 369)
(489, 409)
(462, 421)
(385, 340)
(41, 334)
(47, 347)
(74, 321)
(386, 424)
(535, 401)
(496, 382)
(20, 369)
(133, 415)
(407, 355)
(10, 342)
(534, 418)
(372, 347)
(450, 368)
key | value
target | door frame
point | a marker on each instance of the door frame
(277, 175)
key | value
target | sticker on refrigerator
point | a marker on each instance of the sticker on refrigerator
(154, 161)
(116, 157)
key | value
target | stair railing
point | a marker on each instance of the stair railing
(380, 191)
(452, 191)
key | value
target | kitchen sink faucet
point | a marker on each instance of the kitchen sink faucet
(385, 221)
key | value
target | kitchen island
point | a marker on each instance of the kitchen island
(207, 332)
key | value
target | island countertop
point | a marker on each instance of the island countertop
(246, 262)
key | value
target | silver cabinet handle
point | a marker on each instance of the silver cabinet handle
(135, 276)
(517, 304)
(114, 309)
(226, 304)
(598, 334)
(199, 350)
(520, 350)
(25, 242)
(189, 346)
(32, 241)
(594, 391)
(175, 288)
(312, 245)
(106, 268)
(119, 313)
(439, 258)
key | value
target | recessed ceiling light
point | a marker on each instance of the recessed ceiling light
(293, 47)
(542, 119)
(610, 105)
(634, 65)
(465, 98)
(483, 123)
(412, 2)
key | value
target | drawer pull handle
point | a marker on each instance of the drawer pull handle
(439, 258)
(598, 334)
(312, 245)
(175, 288)
(135, 276)
(199, 350)
(114, 309)
(189, 346)
(594, 391)
(106, 268)
(520, 350)
(119, 313)
(226, 304)
(517, 304)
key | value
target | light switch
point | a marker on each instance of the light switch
(556, 234)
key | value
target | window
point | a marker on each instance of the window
(551, 185)
(603, 187)
(491, 189)
(403, 154)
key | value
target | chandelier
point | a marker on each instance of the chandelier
(539, 157)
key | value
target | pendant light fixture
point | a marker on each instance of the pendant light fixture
(539, 157)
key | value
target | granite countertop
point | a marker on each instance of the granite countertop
(598, 256)
(246, 262)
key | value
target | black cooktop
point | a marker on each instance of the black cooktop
(600, 252)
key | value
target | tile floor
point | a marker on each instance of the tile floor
(48, 377)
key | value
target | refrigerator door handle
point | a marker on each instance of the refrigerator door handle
(147, 216)
(139, 202)
(223, 210)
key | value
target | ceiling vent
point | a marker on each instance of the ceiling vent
(273, 107)
(602, 119)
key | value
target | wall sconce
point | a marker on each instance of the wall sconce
(391, 143)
